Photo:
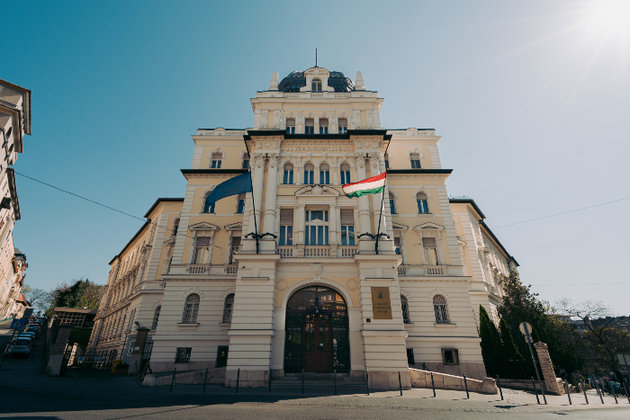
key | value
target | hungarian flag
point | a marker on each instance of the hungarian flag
(373, 185)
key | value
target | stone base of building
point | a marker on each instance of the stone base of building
(471, 370)
(246, 378)
(422, 379)
(387, 380)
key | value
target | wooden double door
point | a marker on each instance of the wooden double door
(317, 343)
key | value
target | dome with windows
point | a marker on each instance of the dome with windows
(297, 79)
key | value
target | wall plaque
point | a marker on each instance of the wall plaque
(381, 303)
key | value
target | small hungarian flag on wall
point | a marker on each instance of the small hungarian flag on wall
(373, 185)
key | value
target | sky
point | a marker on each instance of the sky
(531, 98)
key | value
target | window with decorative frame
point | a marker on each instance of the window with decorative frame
(392, 203)
(191, 309)
(323, 126)
(316, 85)
(450, 356)
(405, 309)
(316, 227)
(235, 244)
(286, 227)
(309, 174)
(344, 171)
(287, 175)
(216, 160)
(429, 246)
(309, 126)
(423, 203)
(228, 305)
(240, 205)
(290, 124)
(182, 354)
(324, 174)
(347, 226)
(414, 158)
(201, 252)
(342, 124)
(440, 310)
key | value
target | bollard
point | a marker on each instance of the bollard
(238, 378)
(599, 391)
(625, 388)
(173, 380)
(499, 386)
(367, 382)
(535, 391)
(433, 384)
(399, 384)
(205, 380)
(584, 389)
(269, 380)
(612, 388)
(466, 386)
(566, 389)
(335, 378)
(302, 381)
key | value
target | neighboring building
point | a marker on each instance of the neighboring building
(15, 122)
(317, 292)
(135, 286)
(77, 317)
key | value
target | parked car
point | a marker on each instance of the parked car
(29, 334)
(20, 346)
(33, 328)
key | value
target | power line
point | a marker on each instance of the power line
(566, 212)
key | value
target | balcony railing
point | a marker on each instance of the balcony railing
(204, 269)
(285, 251)
(317, 251)
(424, 270)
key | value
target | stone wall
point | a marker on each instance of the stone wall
(422, 379)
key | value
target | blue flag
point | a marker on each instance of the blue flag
(233, 186)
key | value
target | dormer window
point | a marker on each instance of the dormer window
(316, 85)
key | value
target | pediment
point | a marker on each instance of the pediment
(428, 225)
(234, 226)
(317, 190)
(203, 226)
(399, 226)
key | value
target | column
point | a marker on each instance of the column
(271, 194)
(364, 205)
(257, 182)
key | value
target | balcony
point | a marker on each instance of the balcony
(318, 251)
(427, 270)
(219, 270)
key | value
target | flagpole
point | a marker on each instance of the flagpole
(253, 201)
(382, 210)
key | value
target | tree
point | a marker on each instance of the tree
(81, 294)
(39, 299)
(490, 343)
(513, 363)
(603, 340)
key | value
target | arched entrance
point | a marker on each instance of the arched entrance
(316, 331)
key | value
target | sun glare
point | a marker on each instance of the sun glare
(608, 18)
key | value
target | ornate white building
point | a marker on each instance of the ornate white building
(319, 290)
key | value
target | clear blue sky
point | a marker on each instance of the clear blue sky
(532, 99)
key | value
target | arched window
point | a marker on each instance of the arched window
(316, 85)
(345, 173)
(240, 204)
(191, 308)
(392, 204)
(156, 317)
(287, 177)
(439, 307)
(227, 308)
(208, 207)
(405, 309)
(324, 174)
(423, 205)
(309, 171)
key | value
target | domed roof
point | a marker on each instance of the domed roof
(296, 80)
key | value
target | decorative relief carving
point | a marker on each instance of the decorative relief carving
(317, 190)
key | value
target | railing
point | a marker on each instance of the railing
(402, 270)
(423, 270)
(317, 251)
(285, 251)
(435, 270)
(231, 268)
(346, 251)
(197, 268)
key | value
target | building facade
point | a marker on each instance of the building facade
(15, 123)
(295, 276)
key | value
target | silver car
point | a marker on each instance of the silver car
(21, 345)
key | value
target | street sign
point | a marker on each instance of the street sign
(526, 330)
(18, 324)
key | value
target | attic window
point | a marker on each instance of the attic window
(316, 85)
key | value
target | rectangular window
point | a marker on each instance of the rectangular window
(240, 205)
(316, 229)
(286, 227)
(347, 227)
(222, 356)
(410, 358)
(216, 160)
(323, 126)
(386, 161)
(397, 244)
(415, 160)
(343, 125)
(290, 125)
(234, 246)
(182, 354)
(202, 250)
(309, 126)
(245, 162)
(392, 206)
(430, 251)
(450, 356)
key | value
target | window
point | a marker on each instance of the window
(245, 164)
(309, 171)
(415, 160)
(450, 356)
(309, 126)
(290, 123)
(430, 251)
(227, 308)
(392, 204)
(132, 316)
(175, 227)
(316, 229)
(202, 250)
(345, 173)
(316, 85)
(423, 204)
(191, 308)
(235, 244)
(439, 307)
(343, 125)
(216, 160)
(411, 360)
(240, 204)
(287, 177)
(156, 317)
(323, 126)
(397, 244)
(386, 160)
(324, 174)
(405, 309)
(347, 227)
(182, 355)
(222, 356)
(286, 227)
